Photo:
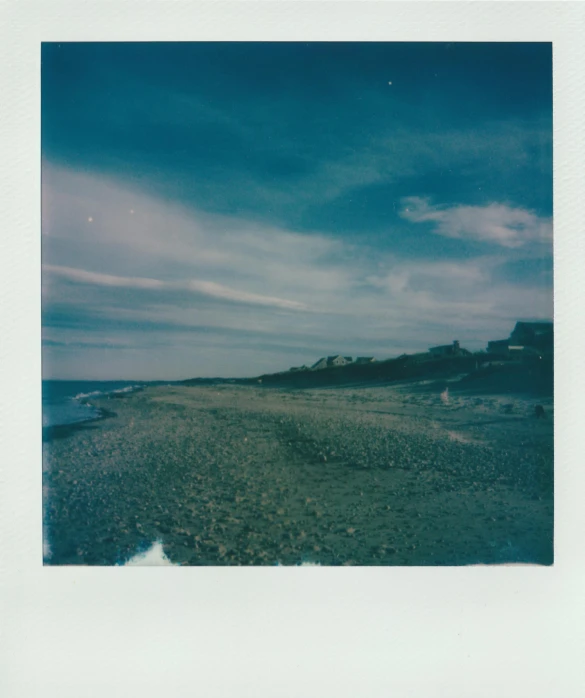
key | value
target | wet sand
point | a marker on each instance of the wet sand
(239, 475)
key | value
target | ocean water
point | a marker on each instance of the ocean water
(69, 402)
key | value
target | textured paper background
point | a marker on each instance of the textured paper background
(84, 632)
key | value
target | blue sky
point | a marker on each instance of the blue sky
(235, 208)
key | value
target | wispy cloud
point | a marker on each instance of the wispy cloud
(284, 152)
(228, 295)
(398, 153)
(495, 223)
(201, 215)
(207, 288)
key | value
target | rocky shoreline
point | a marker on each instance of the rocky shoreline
(238, 475)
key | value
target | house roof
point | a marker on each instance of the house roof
(537, 327)
(318, 362)
(330, 359)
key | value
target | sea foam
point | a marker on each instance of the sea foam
(153, 557)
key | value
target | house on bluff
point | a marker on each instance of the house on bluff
(527, 338)
(329, 361)
(499, 346)
(449, 350)
(538, 335)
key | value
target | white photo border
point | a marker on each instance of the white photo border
(478, 631)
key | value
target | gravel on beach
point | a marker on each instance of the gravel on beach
(240, 475)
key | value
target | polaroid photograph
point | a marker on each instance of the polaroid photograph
(297, 303)
(292, 302)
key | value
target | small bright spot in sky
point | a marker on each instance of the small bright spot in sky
(131, 210)
(389, 83)
(90, 220)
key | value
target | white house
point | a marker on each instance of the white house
(338, 360)
(329, 361)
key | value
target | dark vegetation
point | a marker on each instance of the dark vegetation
(481, 372)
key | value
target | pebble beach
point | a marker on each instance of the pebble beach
(244, 475)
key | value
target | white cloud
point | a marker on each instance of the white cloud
(401, 153)
(500, 224)
(208, 288)
(162, 235)
(156, 268)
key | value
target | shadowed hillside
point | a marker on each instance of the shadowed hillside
(401, 368)
(478, 373)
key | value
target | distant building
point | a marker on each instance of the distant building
(498, 346)
(299, 368)
(329, 361)
(338, 360)
(533, 334)
(365, 360)
(524, 352)
(318, 365)
(527, 338)
(449, 350)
